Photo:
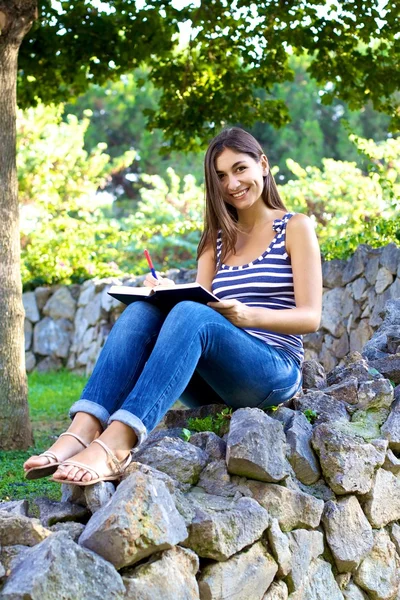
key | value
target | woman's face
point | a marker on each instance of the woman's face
(241, 177)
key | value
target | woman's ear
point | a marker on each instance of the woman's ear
(264, 164)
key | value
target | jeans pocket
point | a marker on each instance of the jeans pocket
(279, 395)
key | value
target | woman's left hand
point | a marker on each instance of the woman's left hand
(236, 312)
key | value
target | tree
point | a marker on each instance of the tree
(234, 49)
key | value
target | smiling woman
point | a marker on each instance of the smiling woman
(246, 350)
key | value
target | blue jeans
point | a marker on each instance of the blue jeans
(194, 353)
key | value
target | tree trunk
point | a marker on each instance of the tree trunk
(16, 18)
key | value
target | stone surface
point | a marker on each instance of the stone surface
(354, 366)
(220, 527)
(84, 575)
(61, 305)
(305, 546)
(215, 479)
(11, 556)
(167, 576)
(280, 547)
(314, 376)
(392, 462)
(319, 584)
(277, 591)
(348, 532)
(16, 507)
(180, 417)
(51, 512)
(390, 258)
(389, 366)
(98, 495)
(355, 265)
(375, 394)
(256, 446)
(353, 592)
(332, 311)
(17, 529)
(30, 307)
(30, 361)
(74, 530)
(327, 408)
(246, 575)
(332, 272)
(140, 519)
(391, 428)
(394, 532)
(345, 391)
(292, 508)
(210, 442)
(348, 462)
(379, 572)
(360, 335)
(384, 278)
(52, 337)
(382, 503)
(301, 455)
(28, 333)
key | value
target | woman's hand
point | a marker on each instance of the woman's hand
(152, 282)
(236, 312)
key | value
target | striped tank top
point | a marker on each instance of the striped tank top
(266, 282)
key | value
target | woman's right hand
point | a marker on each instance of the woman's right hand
(152, 282)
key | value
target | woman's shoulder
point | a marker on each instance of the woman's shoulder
(300, 230)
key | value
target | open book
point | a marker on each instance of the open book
(163, 296)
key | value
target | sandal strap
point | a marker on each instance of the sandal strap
(50, 455)
(77, 437)
(75, 463)
(111, 456)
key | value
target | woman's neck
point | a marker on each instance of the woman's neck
(255, 218)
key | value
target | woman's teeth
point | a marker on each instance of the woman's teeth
(240, 194)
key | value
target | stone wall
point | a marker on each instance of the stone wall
(68, 325)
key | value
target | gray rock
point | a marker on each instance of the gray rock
(348, 462)
(180, 417)
(327, 408)
(16, 507)
(73, 493)
(391, 428)
(51, 512)
(313, 341)
(384, 278)
(345, 391)
(256, 446)
(246, 575)
(394, 532)
(319, 489)
(360, 335)
(393, 344)
(50, 363)
(2, 571)
(292, 508)
(284, 415)
(210, 442)
(30, 306)
(301, 456)
(389, 327)
(28, 332)
(355, 266)
(84, 575)
(215, 479)
(61, 305)
(390, 258)
(180, 460)
(88, 291)
(136, 467)
(98, 495)
(221, 527)
(52, 337)
(389, 366)
(42, 294)
(332, 311)
(375, 394)
(371, 269)
(30, 362)
(305, 546)
(140, 519)
(348, 532)
(353, 592)
(379, 572)
(382, 503)
(17, 529)
(277, 591)
(11, 556)
(379, 305)
(392, 463)
(74, 530)
(332, 273)
(166, 576)
(280, 547)
(319, 584)
(314, 376)
(354, 366)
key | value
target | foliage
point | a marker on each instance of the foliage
(50, 396)
(311, 415)
(186, 434)
(218, 423)
(234, 50)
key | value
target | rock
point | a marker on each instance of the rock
(52, 512)
(73, 493)
(305, 546)
(358, 288)
(136, 467)
(354, 366)
(246, 575)
(371, 269)
(391, 428)
(280, 547)
(393, 344)
(52, 337)
(56, 577)
(88, 291)
(93, 311)
(180, 460)
(327, 408)
(394, 531)
(319, 489)
(360, 335)
(28, 332)
(30, 362)
(392, 463)
(284, 415)
(345, 391)
(375, 394)
(348, 463)
(382, 503)
(17, 529)
(50, 363)
(222, 527)
(42, 294)
(301, 456)
(389, 327)
(379, 572)
(140, 519)
(277, 591)
(319, 584)
(74, 530)
(355, 266)
(15, 507)
(332, 311)
(292, 508)
(167, 576)
(353, 592)
(332, 272)
(314, 376)
(384, 278)
(210, 442)
(215, 479)
(379, 305)
(61, 305)
(11, 556)
(348, 532)
(180, 417)
(256, 446)
(98, 495)
(390, 258)
(30, 306)
(389, 366)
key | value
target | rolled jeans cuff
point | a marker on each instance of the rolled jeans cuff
(126, 417)
(92, 408)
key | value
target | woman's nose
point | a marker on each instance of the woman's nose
(233, 183)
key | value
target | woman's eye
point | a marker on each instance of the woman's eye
(240, 169)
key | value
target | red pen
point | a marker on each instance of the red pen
(150, 263)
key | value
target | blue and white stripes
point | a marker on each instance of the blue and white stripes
(266, 282)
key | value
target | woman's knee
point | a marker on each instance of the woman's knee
(190, 312)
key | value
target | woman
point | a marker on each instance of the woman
(264, 265)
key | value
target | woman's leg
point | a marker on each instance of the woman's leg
(120, 363)
(243, 371)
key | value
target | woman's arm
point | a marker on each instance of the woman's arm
(302, 246)
(206, 268)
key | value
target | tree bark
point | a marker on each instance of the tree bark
(16, 18)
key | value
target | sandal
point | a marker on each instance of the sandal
(116, 468)
(54, 461)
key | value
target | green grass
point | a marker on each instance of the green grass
(50, 396)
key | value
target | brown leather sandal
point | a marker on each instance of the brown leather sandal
(115, 471)
(54, 461)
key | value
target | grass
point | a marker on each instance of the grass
(50, 396)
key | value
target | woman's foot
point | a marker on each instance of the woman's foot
(82, 431)
(118, 438)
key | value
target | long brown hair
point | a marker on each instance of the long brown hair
(219, 214)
